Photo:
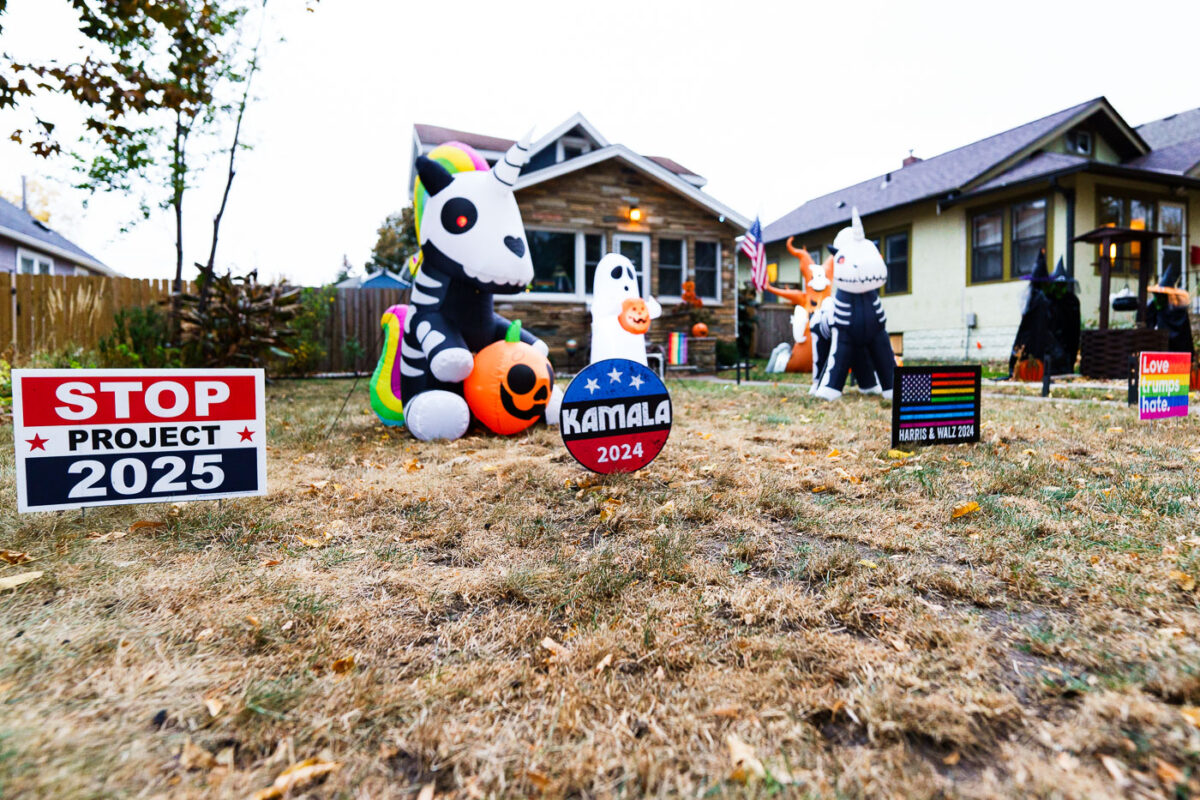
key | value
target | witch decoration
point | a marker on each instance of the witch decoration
(472, 247)
(857, 326)
(1167, 310)
(1049, 329)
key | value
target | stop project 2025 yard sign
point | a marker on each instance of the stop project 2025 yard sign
(108, 437)
(616, 416)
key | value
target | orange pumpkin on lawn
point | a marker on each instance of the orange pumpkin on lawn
(1029, 369)
(510, 384)
(699, 330)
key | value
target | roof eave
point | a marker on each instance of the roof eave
(645, 165)
(61, 252)
(1114, 170)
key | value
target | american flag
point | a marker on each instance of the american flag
(937, 398)
(752, 245)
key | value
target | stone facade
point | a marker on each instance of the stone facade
(596, 200)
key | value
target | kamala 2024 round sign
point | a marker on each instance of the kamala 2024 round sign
(616, 416)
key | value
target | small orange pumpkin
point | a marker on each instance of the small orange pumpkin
(1029, 369)
(699, 330)
(635, 317)
(510, 384)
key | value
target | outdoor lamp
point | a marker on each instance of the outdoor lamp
(635, 214)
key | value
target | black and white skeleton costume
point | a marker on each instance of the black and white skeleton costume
(858, 336)
(473, 246)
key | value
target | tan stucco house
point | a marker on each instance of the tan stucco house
(959, 230)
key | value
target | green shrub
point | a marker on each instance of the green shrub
(238, 322)
(64, 358)
(309, 344)
(5, 385)
(139, 338)
(727, 352)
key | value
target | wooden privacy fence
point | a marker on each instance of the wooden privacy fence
(774, 326)
(40, 313)
(45, 313)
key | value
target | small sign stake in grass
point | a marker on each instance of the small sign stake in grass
(1163, 382)
(936, 405)
(103, 437)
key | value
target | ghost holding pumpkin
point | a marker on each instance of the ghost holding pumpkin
(620, 316)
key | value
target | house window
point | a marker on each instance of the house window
(572, 147)
(30, 263)
(593, 251)
(707, 270)
(1028, 235)
(895, 255)
(987, 247)
(1114, 210)
(670, 267)
(564, 262)
(1079, 142)
(553, 256)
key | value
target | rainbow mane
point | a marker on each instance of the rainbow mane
(385, 382)
(455, 157)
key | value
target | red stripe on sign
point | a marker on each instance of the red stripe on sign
(937, 384)
(65, 400)
(936, 375)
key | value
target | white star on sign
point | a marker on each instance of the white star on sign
(636, 382)
(614, 376)
(592, 385)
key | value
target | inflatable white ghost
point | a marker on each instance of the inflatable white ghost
(859, 338)
(620, 316)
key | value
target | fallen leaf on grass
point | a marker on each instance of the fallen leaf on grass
(13, 581)
(1184, 581)
(213, 705)
(193, 756)
(1168, 773)
(952, 759)
(834, 453)
(706, 436)
(728, 712)
(412, 465)
(1191, 714)
(666, 508)
(145, 523)
(296, 776)
(819, 489)
(745, 763)
(426, 792)
(898, 643)
(846, 476)
(893, 453)
(603, 665)
(539, 779)
(868, 564)
(343, 665)
(1115, 430)
(101, 538)
(964, 509)
(1115, 769)
(557, 651)
(13, 557)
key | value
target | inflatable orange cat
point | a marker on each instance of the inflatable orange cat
(818, 285)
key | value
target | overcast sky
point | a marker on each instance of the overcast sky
(773, 102)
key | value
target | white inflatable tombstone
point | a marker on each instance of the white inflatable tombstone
(620, 315)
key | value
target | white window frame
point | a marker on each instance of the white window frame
(560, 156)
(1080, 142)
(581, 293)
(683, 274)
(720, 268)
(38, 259)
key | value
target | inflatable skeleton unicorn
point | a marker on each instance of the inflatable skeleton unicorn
(858, 331)
(472, 247)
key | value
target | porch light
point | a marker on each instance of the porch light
(635, 214)
(1112, 252)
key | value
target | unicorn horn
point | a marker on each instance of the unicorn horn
(856, 224)
(508, 169)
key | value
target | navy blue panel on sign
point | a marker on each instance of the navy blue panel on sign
(108, 477)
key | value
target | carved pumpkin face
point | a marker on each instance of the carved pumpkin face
(510, 384)
(635, 317)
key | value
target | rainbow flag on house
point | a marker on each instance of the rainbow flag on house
(677, 349)
(1163, 383)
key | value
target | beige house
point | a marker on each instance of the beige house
(959, 230)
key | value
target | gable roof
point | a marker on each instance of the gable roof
(954, 171)
(576, 120)
(644, 165)
(436, 134)
(1172, 130)
(18, 225)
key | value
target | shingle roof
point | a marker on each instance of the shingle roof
(1172, 130)
(14, 219)
(1178, 158)
(671, 164)
(1036, 166)
(925, 179)
(436, 134)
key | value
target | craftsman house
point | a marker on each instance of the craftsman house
(960, 229)
(29, 246)
(581, 197)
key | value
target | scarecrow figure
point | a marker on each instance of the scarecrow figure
(1167, 310)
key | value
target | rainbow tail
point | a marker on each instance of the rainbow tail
(385, 381)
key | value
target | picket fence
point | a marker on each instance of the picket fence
(47, 313)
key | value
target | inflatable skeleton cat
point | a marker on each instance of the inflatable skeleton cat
(472, 247)
(858, 329)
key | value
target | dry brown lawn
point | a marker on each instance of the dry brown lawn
(484, 618)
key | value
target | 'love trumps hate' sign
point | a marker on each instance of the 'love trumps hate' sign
(1163, 382)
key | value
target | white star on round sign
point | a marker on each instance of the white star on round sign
(592, 385)
(636, 382)
(614, 376)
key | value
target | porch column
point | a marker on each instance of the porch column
(1105, 280)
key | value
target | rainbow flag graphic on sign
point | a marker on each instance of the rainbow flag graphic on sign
(936, 405)
(1163, 381)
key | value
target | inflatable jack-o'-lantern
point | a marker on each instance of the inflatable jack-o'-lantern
(635, 317)
(510, 385)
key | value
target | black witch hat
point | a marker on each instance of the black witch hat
(1060, 272)
(1039, 274)
(1170, 277)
